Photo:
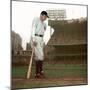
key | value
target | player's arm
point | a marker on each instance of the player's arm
(33, 31)
(45, 27)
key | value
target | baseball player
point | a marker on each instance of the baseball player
(37, 33)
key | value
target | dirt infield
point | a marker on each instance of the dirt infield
(47, 82)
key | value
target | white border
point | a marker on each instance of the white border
(5, 46)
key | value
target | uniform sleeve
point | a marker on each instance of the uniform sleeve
(45, 28)
(34, 24)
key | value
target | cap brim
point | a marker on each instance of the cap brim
(47, 16)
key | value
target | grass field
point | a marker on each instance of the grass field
(56, 75)
(52, 70)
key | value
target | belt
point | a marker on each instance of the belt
(39, 35)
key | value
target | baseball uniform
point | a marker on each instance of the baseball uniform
(37, 33)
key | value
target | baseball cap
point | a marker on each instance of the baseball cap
(44, 13)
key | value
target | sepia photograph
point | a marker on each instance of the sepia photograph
(48, 44)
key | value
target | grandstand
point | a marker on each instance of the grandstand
(68, 40)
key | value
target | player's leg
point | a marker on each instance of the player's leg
(37, 74)
(39, 62)
(41, 69)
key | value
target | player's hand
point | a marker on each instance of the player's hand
(35, 43)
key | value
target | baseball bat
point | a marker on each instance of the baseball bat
(30, 64)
